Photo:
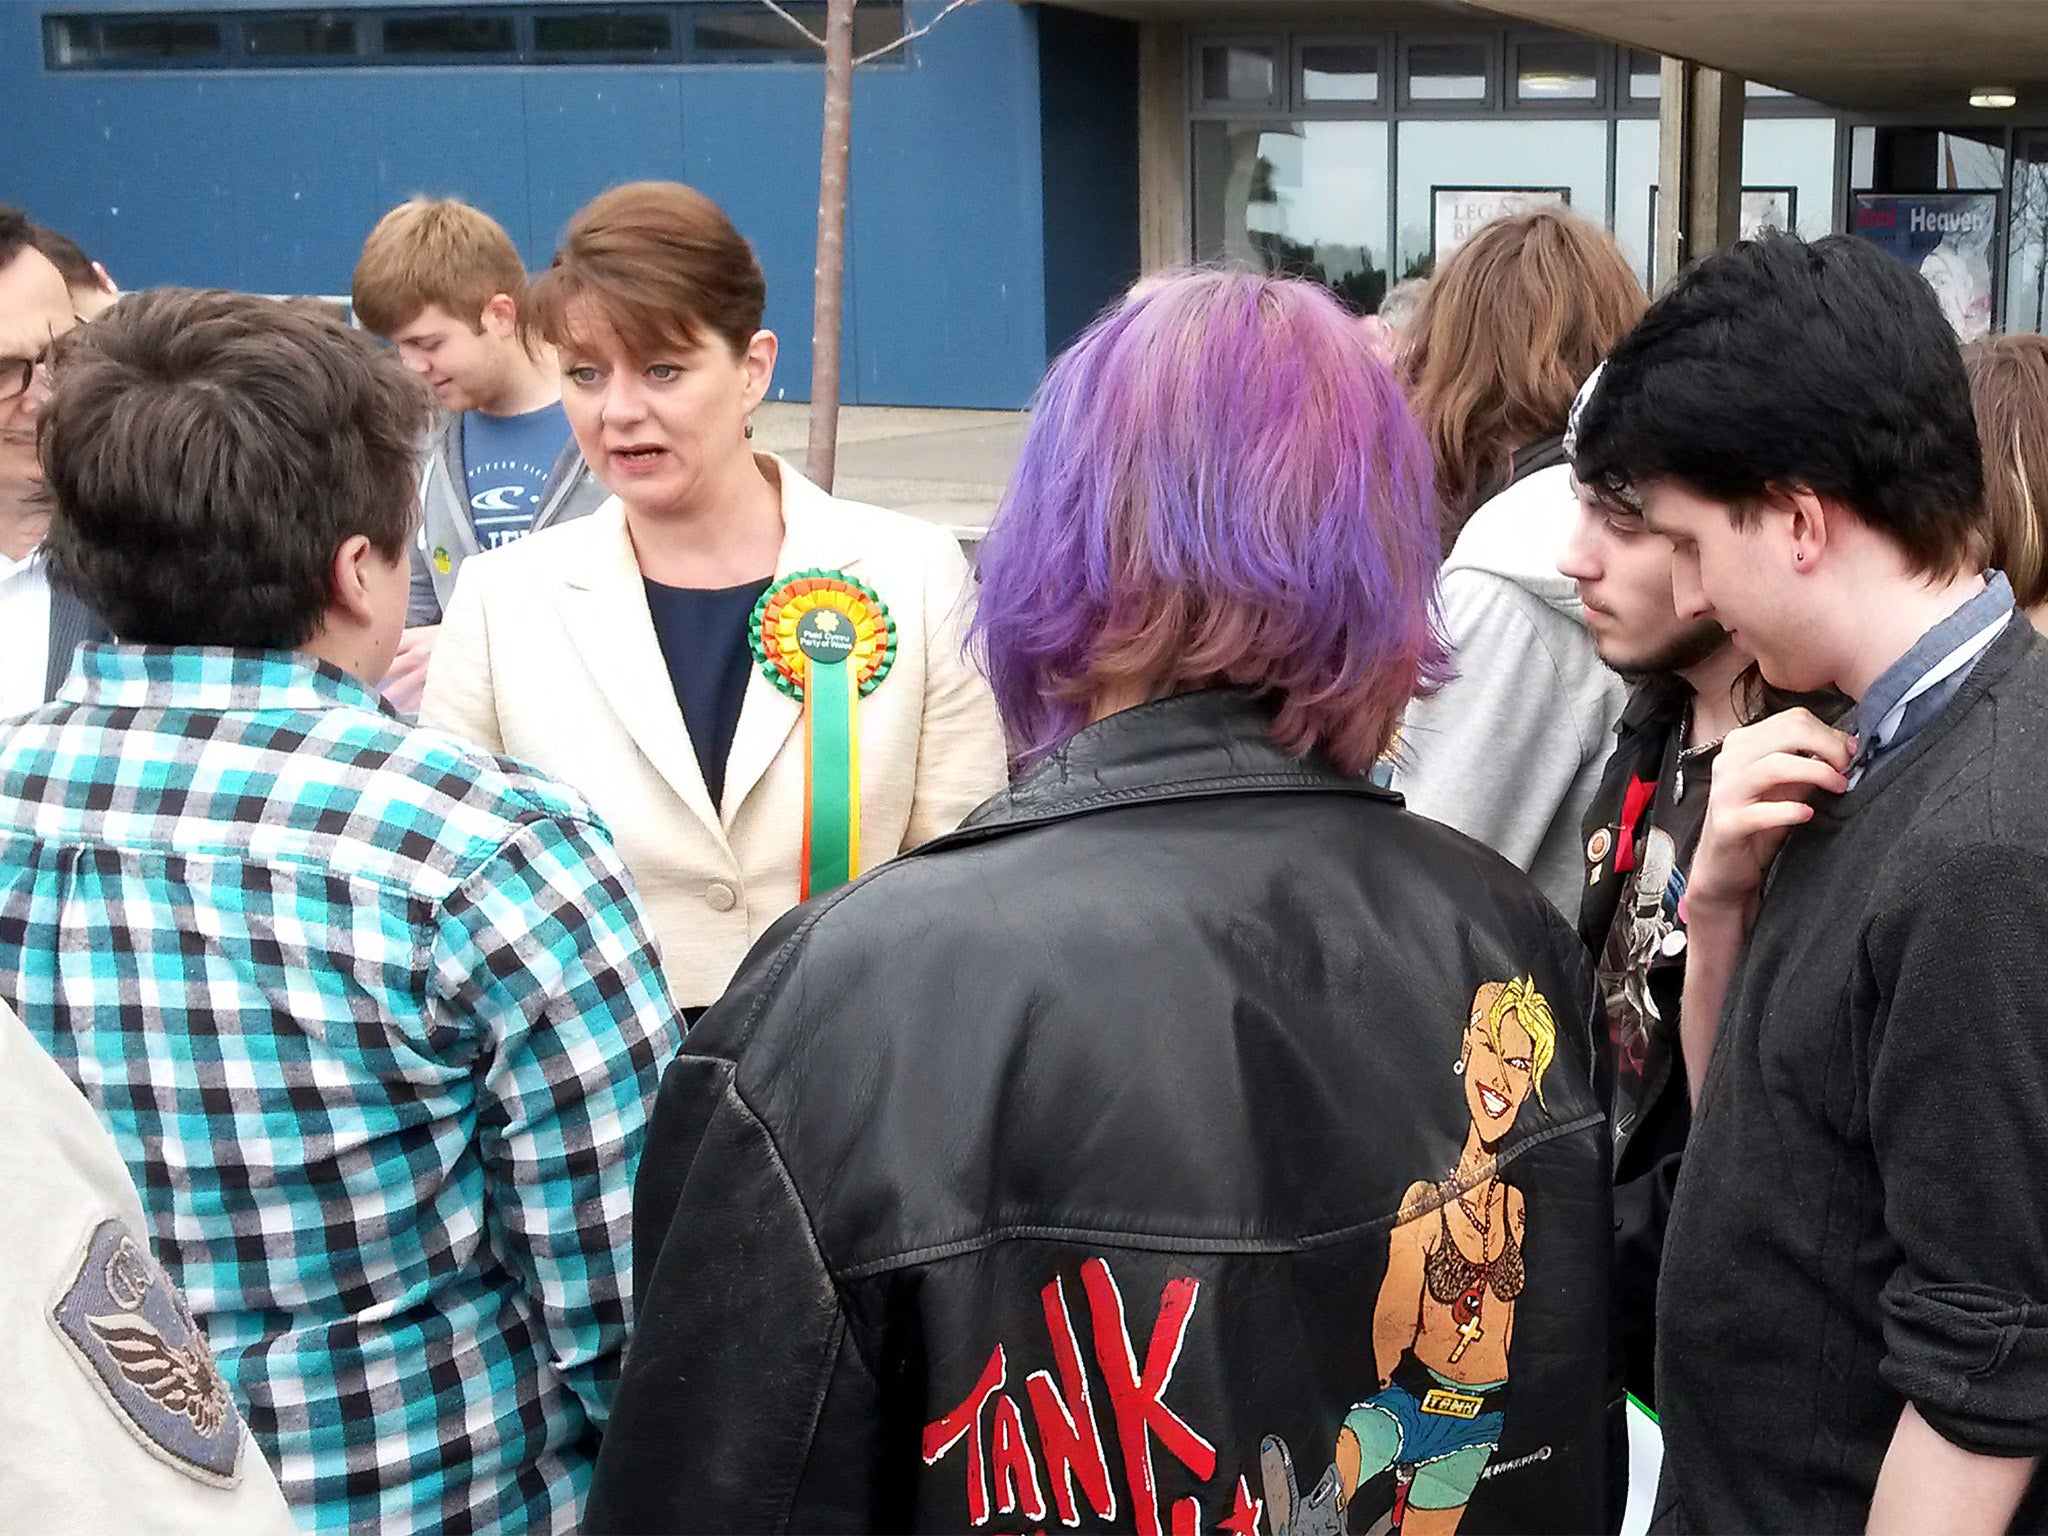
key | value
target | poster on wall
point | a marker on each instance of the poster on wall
(1457, 213)
(1947, 237)
(1762, 208)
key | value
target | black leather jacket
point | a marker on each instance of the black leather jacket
(1051, 1173)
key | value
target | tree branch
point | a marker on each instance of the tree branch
(807, 32)
(909, 37)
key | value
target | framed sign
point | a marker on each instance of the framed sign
(1762, 208)
(1949, 238)
(1456, 213)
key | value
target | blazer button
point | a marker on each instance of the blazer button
(721, 897)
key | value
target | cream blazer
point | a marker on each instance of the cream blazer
(547, 653)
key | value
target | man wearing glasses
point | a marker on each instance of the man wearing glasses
(41, 624)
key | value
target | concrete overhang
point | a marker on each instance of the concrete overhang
(1865, 55)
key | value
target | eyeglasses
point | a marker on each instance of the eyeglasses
(17, 373)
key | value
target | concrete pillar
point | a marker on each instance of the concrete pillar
(1699, 166)
(1163, 224)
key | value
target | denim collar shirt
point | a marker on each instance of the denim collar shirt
(1913, 689)
(374, 1019)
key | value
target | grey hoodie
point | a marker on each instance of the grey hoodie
(1510, 751)
(447, 529)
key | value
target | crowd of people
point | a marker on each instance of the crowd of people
(1438, 877)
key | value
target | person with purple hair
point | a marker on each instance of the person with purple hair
(1115, 1117)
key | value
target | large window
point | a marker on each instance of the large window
(559, 33)
(1306, 199)
(1363, 159)
(2026, 278)
(1438, 155)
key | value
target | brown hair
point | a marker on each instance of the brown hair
(660, 263)
(436, 252)
(1512, 324)
(2009, 388)
(16, 233)
(207, 453)
(66, 255)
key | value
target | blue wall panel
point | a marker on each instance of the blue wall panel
(268, 180)
(323, 154)
(946, 223)
(750, 140)
(588, 129)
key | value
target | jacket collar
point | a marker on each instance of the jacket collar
(211, 679)
(606, 609)
(1192, 746)
(1654, 706)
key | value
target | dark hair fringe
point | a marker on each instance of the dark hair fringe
(1779, 364)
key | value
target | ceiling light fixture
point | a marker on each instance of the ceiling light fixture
(1993, 97)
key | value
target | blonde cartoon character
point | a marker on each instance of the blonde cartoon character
(1446, 1310)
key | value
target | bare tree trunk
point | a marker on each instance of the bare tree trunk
(831, 272)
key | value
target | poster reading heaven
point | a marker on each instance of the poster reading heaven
(1947, 237)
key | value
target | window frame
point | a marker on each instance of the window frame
(1300, 106)
(365, 21)
(1283, 56)
(523, 53)
(1604, 55)
(444, 58)
(1491, 44)
(225, 24)
(673, 53)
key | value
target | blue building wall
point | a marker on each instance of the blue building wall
(268, 180)
(1088, 155)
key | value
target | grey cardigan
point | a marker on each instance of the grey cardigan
(448, 531)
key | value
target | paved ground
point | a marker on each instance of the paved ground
(945, 466)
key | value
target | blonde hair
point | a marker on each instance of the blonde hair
(1510, 327)
(2009, 388)
(1497, 999)
(439, 253)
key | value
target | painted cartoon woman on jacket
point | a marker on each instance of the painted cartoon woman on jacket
(1446, 1309)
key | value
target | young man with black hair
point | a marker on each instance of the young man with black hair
(374, 1017)
(1686, 678)
(1853, 1316)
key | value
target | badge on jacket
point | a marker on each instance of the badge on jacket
(127, 1327)
(827, 641)
(1598, 846)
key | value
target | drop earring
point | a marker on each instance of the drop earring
(750, 429)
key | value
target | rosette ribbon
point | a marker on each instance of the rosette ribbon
(827, 641)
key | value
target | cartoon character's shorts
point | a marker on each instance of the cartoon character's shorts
(1440, 1427)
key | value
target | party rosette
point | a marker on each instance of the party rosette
(827, 641)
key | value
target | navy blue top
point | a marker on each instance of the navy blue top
(703, 635)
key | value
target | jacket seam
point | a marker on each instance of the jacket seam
(832, 1348)
(1176, 1242)
(1188, 789)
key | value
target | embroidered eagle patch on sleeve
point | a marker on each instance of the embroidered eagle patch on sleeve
(128, 1328)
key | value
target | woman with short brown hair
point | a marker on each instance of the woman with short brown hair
(1510, 751)
(760, 687)
(1507, 331)
(2009, 387)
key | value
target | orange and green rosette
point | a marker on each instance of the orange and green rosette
(827, 641)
